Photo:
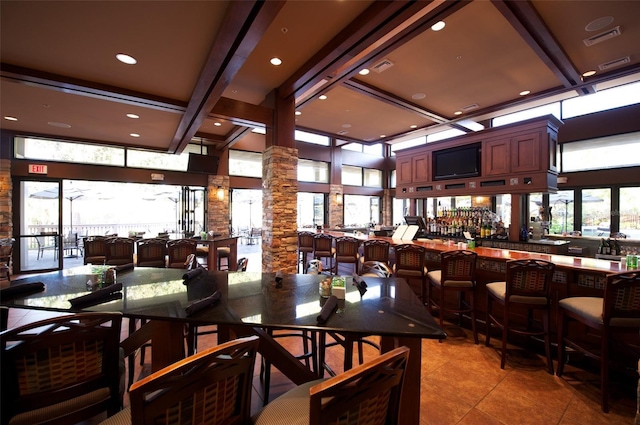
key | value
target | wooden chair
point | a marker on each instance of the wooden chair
(64, 369)
(95, 249)
(375, 250)
(527, 287)
(119, 251)
(305, 247)
(347, 248)
(457, 274)
(323, 248)
(6, 254)
(367, 394)
(151, 252)
(211, 387)
(410, 264)
(618, 313)
(178, 250)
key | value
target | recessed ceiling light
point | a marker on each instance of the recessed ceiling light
(589, 73)
(134, 135)
(383, 135)
(298, 113)
(217, 124)
(276, 61)
(413, 126)
(418, 96)
(525, 92)
(133, 116)
(346, 125)
(438, 26)
(59, 124)
(457, 113)
(599, 23)
(364, 71)
(129, 60)
(322, 97)
(8, 118)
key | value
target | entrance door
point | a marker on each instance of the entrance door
(193, 203)
(38, 241)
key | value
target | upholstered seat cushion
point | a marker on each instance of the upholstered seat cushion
(498, 289)
(59, 409)
(436, 276)
(223, 251)
(291, 408)
(591, 309)
(410, 272)
(123, 417)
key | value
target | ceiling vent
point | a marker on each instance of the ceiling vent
(614, 63)
(469, 107)
(383, 65)
(342, 132)
(599, 38)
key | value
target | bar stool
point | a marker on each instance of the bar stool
(323, 248)
(410, 264)
(527, 286)
(305, 247)
(375, 250)
(457, 274)
(617, 313)
(347, 248)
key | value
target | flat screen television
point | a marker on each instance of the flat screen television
(205, 164)
(416, 220)
(456, 163)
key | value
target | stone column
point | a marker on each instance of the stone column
(336, 210)
(387, 207)
(218, 210)
(279, 209)
(6, 210)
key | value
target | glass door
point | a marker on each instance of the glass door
(38, 242)
(193, 203)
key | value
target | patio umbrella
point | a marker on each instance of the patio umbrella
(566, 200)
(71, 194)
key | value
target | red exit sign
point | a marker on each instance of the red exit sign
(37, 169)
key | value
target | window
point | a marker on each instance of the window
(392, 180)
(400, 209)
(601, 153)
(630, 211)
(408, 144)
(615, 97)
(562, 215)
(303, 136)
(550, 109)
(351, 176)
(372, 178)
(375, 149)
(596, 211)
(310, 210)
(81, 153)
(246, 164)
(157, 160)
(360, 211)
(313, 171)
(447, 134)
(503, 209)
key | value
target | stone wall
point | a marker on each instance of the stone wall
(279, 209)
(336, 210)
(6, 209)
(218, 210)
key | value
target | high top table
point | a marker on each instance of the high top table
(251, 303)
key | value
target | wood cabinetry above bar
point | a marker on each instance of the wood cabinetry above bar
(516, 158)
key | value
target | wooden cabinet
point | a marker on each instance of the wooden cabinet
(496, 157)
(421, 168)
(403, 171)
(525, 153)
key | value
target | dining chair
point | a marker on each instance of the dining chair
(375, 250)
(211, 387)
(323, 248)
(178, 250)
(347, 251)
(375, 269)
(45, 245)
(151, 253)
(527, 286)
(615, 314)
(409, 264)
(367, 394)
(95, 249)
(64, 369)
(457, 274)
(305, 247)
(6, 254)
(119, 251)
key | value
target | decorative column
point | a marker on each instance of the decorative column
(218, 209)
(387, 207)
(336, 207)
(6, 190)
(279, 209)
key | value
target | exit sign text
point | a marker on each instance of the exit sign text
(37, 169)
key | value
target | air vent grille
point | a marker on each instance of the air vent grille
(614, 63)
(599, 38)
(470, 107)
(383, 65)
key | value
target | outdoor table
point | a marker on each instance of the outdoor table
(252, 303)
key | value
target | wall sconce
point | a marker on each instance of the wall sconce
(220, 193)
(339, 198)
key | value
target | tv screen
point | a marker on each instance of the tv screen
(415, 220)
(203, 164)
(456, 163)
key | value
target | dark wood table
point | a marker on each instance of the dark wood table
(250, 303)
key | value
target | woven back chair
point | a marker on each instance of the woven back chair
(119, 251)
(617, 313)
(323, 248)
(178, 250)
(95, 249)
(366, 394)
(305, 247)
(457, 274)
(375, 250)
(527, 287)
(410, 262)
(347, 251)
(64, 369)
(151, 252)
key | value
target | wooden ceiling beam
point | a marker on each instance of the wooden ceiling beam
(243, 27)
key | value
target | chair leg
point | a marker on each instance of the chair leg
(472, 306)
(604, 372)
(487, 338)
(562, 323)
(441, 309)
(505, 333)
(547, 341)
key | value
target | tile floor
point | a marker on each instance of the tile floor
(462, 383)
